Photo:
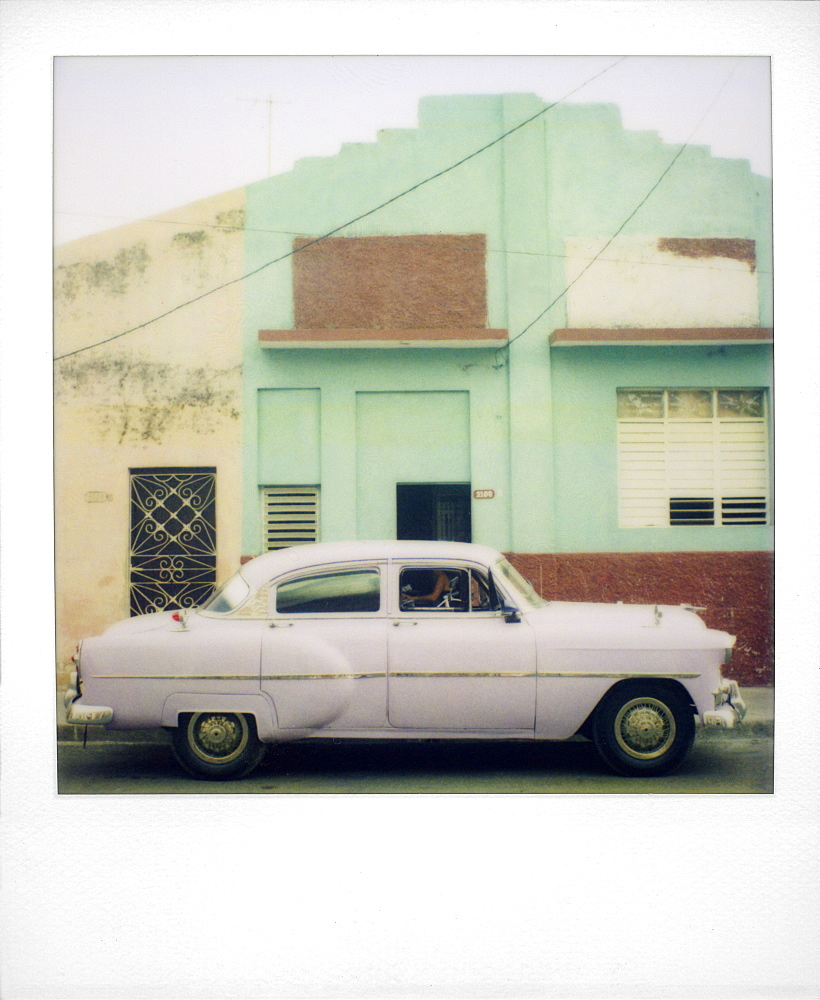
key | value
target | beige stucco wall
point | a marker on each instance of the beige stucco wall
(167, 394)
(642, 282)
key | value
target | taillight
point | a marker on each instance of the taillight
(75, 659)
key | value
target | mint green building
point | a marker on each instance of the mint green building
(559, 346)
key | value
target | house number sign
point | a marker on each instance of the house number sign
(483, 494)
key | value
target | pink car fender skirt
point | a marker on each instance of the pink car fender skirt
(256, 705)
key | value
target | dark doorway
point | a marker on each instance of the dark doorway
(434, 511)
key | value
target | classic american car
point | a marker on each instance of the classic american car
(404, 640)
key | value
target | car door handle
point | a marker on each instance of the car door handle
(397, 624)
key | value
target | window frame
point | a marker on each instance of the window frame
(327, 571)
(460, 614)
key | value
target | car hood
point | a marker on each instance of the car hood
(601, 626)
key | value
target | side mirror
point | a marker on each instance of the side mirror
(511, 615)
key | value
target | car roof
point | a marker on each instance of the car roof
(270, 564)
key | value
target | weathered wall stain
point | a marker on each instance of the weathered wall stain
(196, 241)
(232, 219)
(111, 276)
(138, 400)
(735, 249)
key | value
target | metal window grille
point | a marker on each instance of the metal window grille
(173, 538)
(290, 516)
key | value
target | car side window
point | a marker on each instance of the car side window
(347, 591)
(442, 588)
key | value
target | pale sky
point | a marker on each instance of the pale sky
(135, 136)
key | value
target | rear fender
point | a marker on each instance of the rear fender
(257, 705)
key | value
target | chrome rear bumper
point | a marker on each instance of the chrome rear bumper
(84, 715)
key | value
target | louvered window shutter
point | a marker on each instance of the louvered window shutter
(290, 516)
(707, 470)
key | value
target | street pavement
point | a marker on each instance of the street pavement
(734, 761)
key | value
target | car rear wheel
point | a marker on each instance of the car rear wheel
(644, 729)
(217, 745)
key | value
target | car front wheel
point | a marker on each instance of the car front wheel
(217, 745)
(644, 729)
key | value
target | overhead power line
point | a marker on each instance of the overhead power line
(350, 222)
(627, 220)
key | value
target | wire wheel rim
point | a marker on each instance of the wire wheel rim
(217, 738)
(645, 728)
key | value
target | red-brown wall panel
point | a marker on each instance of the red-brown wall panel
(435, 281)
(736, 588)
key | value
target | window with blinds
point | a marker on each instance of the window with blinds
(290, 516)
(693, 457)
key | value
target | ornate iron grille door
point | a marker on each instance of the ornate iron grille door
(173, 538)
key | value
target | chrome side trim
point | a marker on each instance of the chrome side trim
(321, 677)
(175, 677)
(402, 673)
(462, 673)
(618, 676)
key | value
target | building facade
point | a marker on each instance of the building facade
(508, 354)
(147, 423)
(556, 343)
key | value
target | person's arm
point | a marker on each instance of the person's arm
(442, 584)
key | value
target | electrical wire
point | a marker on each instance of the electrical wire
(626, 221)
(350, 222)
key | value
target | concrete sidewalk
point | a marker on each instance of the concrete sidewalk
(759, 721)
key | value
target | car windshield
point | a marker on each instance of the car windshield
(522, 590)
(230, 595)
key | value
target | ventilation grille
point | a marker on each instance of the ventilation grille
(290, 516)
(691, 510)
(744, 510)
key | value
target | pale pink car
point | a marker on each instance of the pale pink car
(404, 640)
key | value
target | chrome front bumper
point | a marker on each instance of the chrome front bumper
(729, 710)
(84, 715)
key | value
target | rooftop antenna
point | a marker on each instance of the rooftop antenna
(270, 103)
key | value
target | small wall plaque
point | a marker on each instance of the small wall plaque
(95, 496)
(483, 494)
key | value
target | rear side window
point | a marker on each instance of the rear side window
(348, 591)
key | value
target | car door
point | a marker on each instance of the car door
(454, 661)
(324, 654)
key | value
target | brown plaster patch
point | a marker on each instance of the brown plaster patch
(734, 248)
(391, 282)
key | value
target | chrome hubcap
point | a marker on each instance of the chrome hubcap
(217, 738)
(645, 728)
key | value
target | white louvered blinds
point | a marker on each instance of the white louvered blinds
(290, 516)
(692, 457)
